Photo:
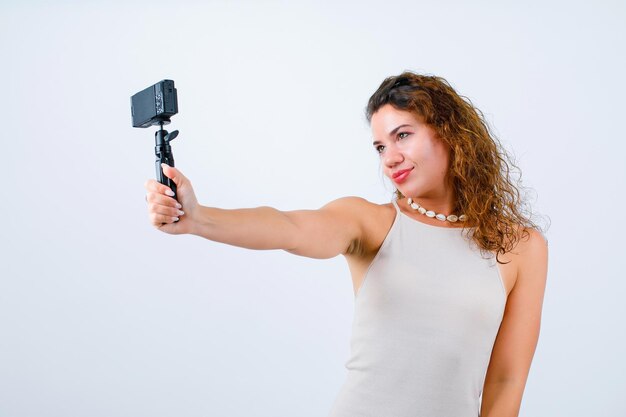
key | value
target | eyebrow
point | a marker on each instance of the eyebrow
(377, 142)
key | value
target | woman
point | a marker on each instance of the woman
(449, 277)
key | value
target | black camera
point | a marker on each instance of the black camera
(154, 105)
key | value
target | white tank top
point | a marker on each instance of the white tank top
(425, 320)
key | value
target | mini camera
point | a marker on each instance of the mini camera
(154, 106)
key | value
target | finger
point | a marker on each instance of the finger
(155, 186)
(158, 219)
(165, 210)
(163, 200)
(174, 174)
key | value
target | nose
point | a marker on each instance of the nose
(393, 157)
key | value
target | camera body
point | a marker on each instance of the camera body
(154, 105)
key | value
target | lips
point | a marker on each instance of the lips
(401, 172)
(401, 175)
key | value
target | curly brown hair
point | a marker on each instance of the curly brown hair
(480, 168)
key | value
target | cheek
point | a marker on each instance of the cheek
(438, 159)
(444, 165)
(432, 156)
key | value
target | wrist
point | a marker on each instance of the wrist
(198, 220)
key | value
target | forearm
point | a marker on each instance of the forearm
(501, 399)
(252, 228)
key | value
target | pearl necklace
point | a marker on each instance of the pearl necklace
(451, 218)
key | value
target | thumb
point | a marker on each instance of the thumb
(173, 174)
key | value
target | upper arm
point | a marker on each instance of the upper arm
(517, 338)
(332, 230)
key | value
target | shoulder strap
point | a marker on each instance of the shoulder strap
(395, 203)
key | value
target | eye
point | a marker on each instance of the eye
(399, 135)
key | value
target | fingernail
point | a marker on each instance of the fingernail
(178, 206)
(175, 219)
(170, 192)
(180, 212)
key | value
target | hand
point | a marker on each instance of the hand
(164, 209)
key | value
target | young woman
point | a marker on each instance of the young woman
(449, 277)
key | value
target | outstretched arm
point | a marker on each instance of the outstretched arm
(327, 232)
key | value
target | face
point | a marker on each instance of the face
(404, 142)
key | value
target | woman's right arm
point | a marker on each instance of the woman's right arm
(332, 230)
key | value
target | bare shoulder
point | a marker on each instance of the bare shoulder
(357, 206)
(352, 199)
(354, 207)
(350, 202)
(532, 244)
(374, 222)
(532, 256)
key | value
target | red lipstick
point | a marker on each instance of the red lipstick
(400, 176)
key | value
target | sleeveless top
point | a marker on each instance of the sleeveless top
(425, 320)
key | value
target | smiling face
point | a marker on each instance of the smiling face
(404, 142)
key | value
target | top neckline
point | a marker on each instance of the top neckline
(395, 203)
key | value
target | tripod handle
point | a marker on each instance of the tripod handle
(163, 152)
(161, 177)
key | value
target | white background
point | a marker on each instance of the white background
(103, 315)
